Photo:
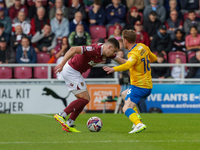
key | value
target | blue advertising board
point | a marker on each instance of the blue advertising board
(172, 98)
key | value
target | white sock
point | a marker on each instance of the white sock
(63, 114)
(70, 122)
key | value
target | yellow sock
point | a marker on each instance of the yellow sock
(134, 118)
(136, 110)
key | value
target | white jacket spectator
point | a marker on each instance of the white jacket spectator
(9, 3)
(60, 25)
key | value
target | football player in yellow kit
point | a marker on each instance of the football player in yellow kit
(138, 64)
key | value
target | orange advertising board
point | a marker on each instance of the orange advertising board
(98, 92)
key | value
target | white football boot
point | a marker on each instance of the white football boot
(138, 128)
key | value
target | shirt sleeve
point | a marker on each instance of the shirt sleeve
(129, 63)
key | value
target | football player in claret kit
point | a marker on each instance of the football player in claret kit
(76, 61)
(138, 64)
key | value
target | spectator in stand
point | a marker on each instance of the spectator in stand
(121, 46)
(60, 25)
(178, 43)
(187, 5)
(58, 5)
(97, 14)
(176, 70)
(108, 2)
(39, 20)
(59, 54)
(78, 20)
(160, 72)
(51, 3)
(2, 4)
(190, 22)
(25, 53)
(6, 21)
(7, 55)
(161, 41)
(173, 6)
(32, 11)
(160, 10)
(142, 36)
(3, 34)
(194, 72)
(24, 21)
(10, 3)
(14, 10)
(148, 2)
(75, 7)
(88, 4)
(15, 39)
(152, 24)
(32, 2)
(192, 41)
(133, 17)
(117, 32)
(173, 23)
(59, 51)
(116, 12)
(45, 39)
(139, 4)
(79, 37)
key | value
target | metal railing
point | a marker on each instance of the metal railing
(114, 80)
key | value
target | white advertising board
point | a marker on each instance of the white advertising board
(33, 99)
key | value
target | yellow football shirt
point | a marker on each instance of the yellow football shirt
(138, 63)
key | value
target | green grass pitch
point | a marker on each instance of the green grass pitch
(41, 132)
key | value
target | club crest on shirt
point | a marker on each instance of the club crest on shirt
(88, 48)
(82, 84)
(142, 52)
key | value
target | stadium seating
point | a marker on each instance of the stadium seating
(53, 72)
(97, 32)
(173, 55)
(42, 57)
(22, 72)
(5, 73)
(94, 40)
(41, 72)
(110, 30)
(190, 55)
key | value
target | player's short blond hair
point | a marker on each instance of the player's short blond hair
(129, 35)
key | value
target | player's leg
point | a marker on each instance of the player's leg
(134, 95)
(123, 95)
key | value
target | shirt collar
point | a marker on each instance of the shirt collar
(75, 22)
(101, 49)
(27, 49)
(133, 47)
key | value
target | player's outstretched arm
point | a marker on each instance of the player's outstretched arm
(70, 53)
(152, 57)
(120, 60)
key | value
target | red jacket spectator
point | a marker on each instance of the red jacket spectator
(32, 2)
(142, 36)
(13, 11)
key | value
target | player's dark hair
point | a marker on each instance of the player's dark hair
(160, 54)
(153, 13)
(97, 2)
(191, 11)
(129, 35)
(113, 41)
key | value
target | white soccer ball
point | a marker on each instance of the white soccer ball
(94, 124)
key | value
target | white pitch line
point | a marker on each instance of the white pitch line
(135, 141)
(45, 115)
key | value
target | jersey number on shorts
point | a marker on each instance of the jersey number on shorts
(146, 64)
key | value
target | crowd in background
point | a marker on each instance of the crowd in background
(28, 27)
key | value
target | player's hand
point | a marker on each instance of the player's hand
(108, 69)
(58, 68)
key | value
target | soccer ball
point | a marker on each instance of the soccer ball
(94, 124)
